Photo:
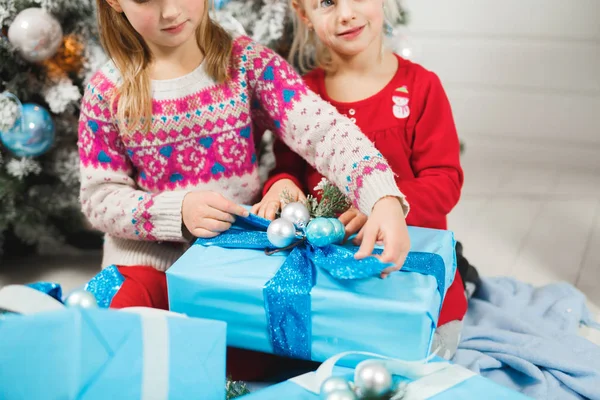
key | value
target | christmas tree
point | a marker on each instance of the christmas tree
(49, 49)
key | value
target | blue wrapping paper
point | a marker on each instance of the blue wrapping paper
(474, 388)
(93, 354)
(401, 312)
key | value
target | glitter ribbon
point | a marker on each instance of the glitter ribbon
(105, 285)
(52, 289)
(287, 294)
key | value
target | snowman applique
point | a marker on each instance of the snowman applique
(400, 99)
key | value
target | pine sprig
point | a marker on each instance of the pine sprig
(333, 201)
(235, 389)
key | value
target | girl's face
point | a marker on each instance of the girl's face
(346, 27)
(162, 23)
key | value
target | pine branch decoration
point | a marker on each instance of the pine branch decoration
(333, 201)
(235, 389)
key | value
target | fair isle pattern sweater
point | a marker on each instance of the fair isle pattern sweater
(201, 138)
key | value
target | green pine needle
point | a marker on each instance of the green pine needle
(333, 201)
(235, 389)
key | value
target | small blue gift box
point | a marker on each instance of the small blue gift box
(313, 303)
(89, 354)
(438, 380)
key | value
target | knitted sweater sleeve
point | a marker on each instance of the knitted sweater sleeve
(109, 195)
(314, 129)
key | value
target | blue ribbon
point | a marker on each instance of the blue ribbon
(105, 285)
(50, 288)
(287, 294)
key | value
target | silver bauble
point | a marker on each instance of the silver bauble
(281, 233)
(332, 384)
(36, 33)
(296, 213)
(343, 394)
(81, 299)
(372, 379)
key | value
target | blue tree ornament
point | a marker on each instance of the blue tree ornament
(33, 132)
(339, 230)
(320, 232)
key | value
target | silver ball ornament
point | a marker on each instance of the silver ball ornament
(341, 394)
(281, 233)
(372, 379)
(296, 213)
(332, 384)
(339, 230)
(36, 33)
(81, 299)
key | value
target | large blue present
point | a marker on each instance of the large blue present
(312, 303)
(88, 354)
(437, 379)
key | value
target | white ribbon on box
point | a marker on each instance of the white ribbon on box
(155, 333)
(428, 378)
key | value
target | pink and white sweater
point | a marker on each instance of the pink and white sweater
(201, 138)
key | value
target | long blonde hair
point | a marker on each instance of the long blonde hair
(131, 56)
(308, 52)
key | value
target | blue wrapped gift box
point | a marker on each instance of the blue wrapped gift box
(452, 383)
(396, 316)
(90, 354)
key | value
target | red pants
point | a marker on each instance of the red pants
(147, 287)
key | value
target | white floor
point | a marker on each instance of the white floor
(538, 223)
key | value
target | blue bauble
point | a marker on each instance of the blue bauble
(281, 233)
(339, 230)
(320, 232)
(32, 134)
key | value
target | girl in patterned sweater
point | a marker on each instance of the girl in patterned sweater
(400, 106)
(167, 144)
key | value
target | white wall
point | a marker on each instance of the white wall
(523, 76)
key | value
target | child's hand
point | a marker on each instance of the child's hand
(271, 202)
(206, 214)
(386, 224)
(353, 220)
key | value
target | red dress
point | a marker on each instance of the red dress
(410, 122)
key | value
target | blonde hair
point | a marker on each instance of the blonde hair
(308, 52)
(131, 56)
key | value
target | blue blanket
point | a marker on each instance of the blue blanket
(526, 338)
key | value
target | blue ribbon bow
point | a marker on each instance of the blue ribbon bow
(287, 294)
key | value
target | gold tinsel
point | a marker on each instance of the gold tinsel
(68, 58)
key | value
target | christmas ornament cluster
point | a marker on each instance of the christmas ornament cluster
(295, 223)
(372, 381)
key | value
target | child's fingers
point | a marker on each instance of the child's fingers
(255, 208)
(262, 210)
(354, 226)
(347, 217)
(368, 243)
(214, 213)
(203, 233)
(224, 204)
(214, 225)
(358, 239)
(271, 210)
